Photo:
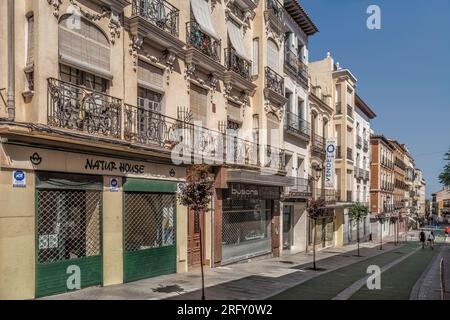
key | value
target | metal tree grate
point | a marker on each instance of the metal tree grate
(149, 220)
(68, 225)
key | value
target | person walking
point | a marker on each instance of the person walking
(422, 238)
(447, 231)
(431, 240)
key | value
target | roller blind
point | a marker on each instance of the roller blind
(272, 130)
(202, 14)
(86, 46)
(272, 55)
(150, 74)
(199, 103)
(237, 40)
(234, 111)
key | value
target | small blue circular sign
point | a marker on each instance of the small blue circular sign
(19, 175)
(114, 183)
(331, 148)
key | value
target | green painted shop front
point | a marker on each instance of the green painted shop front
(68, 232)
(149, 228)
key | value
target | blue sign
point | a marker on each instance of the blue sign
(114, 184)
(19, 179)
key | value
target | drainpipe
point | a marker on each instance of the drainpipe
(11, 103)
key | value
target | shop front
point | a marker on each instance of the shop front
(325, 229)
(99, 220)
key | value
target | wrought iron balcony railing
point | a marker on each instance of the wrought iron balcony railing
(350, 111)
(274, 158)
(295, 64)
(328, 195)
(202, 41)
(301, 188)
(295, 124)
(276, 8)
(237, 64)
(76, 108)
(160, 13)
(274, 81)
(358, 142)
(318, 144)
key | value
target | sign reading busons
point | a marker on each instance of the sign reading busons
(329, 162)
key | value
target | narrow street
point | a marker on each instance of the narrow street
(408, 272)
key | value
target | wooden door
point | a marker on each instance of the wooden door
(195, 221)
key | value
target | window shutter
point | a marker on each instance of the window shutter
(30, 40)
(86, 45)
(199, 103)
(272, 130)
(272, 55)
(255, 64)
(150, 74)
(234, 111)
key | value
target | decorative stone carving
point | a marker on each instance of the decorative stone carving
(135, 46)
(56, 4)
(278, 111)
(190, 71)
(213, 81)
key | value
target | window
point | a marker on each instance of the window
(150, 75)
(199, 103)
(349, 96)
(29, 68)
(82, 78)
(86, 47)
(272, 130)
(272, 55)
(149, 100)
(255, 64)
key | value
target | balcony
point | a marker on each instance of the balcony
(75, 108)
(274, 158)
(359, 173)
(301, 189)
(274, 87)
(297, 126)
(203, 42)
(328, 195)
(237, 64)
(366, 146)
(294, 64)
(92, 114)
(350, 111)
(349, 153)
(387, 208)
(275, 9)
(318, 145)
(159, 13)
(358, 142)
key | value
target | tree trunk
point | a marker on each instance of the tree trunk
(357, 234)
(381, 238)
(201, 255)
(314, 244)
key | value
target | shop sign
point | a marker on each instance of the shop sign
(329, 162)
(243, 191)
(114, 184)
(113, 166)
(19, 179)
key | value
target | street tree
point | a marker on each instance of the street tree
(316, 210)
(358, 212)
(196, 194)
(444, 177)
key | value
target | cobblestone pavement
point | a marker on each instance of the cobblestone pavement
(257, 279)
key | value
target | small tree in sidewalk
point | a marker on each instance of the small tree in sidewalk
(196, 195)
(358, 212)
(315, 211)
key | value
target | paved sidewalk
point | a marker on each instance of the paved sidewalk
(258, 279)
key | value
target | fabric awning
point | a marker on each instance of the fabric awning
(202, 15)
(237, 41)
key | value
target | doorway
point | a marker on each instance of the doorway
(287, 226)
(195, 222)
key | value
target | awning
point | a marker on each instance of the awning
(202, 15)
(256, 178)
(234, 32)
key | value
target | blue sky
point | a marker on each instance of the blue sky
(403, 70)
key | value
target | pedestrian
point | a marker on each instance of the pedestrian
(431, 240)
(447, 231)
(422, 238)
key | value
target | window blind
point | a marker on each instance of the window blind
(198, 103)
